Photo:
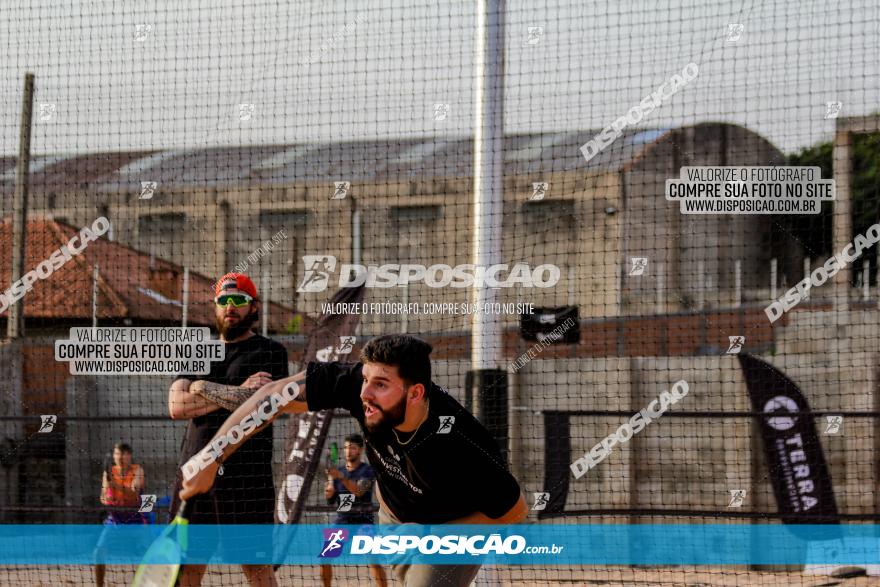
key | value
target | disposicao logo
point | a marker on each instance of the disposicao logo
(318, 269)
(334, 540)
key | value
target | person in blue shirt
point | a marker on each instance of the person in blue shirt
(350, 489)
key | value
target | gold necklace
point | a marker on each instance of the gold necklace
(415, 432)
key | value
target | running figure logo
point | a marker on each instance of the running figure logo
(47, 423)
(737, 496)
(141, 31)
(734, 32)
(346, 345)
(333, 542)
(535, 34)
(833, 424)
(736, 344)
(148, 189)
(446, 423)
(318, 269)
(346, 500)
(47, 111)
(539, 190)
(832, 109)
(246, 111)
(541, 500)
(147, 503)
(341, 191)
(639, 264)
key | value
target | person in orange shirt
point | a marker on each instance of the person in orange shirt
(121, 486)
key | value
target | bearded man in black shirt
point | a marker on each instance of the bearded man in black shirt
(245, 491)
(434, 462)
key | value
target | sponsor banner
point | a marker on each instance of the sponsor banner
(797, 468)
(556, 544)
(307, 432)
(551, 325)
(557, 460)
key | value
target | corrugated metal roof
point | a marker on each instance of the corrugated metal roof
(67, 172)
(377, 160)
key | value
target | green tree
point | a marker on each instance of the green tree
(814, 231)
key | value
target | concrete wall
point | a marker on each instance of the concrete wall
(679, 245)
(674, 463)
(11, 431)
(693, 463)
(224, 225)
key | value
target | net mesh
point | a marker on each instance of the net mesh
(282, 140)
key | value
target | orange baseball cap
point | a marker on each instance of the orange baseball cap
(239, 281)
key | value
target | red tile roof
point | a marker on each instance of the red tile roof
(130, 284)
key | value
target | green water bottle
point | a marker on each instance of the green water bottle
(334, 454)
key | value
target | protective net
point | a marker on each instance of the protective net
(662, 210)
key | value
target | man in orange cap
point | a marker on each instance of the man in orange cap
(244, 493)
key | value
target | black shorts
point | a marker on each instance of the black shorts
(231, 508)
(248, 499)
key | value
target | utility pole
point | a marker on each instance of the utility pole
(15, 317)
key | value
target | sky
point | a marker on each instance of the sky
(331, 71)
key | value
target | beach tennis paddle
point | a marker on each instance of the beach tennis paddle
(161, 563)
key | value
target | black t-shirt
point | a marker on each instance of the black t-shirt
(246, 482)
(447, 469)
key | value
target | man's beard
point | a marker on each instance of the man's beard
(236, 329)
(391, 417)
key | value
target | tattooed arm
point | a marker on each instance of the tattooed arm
(225, 396)
(204, 477)
(183, 405)
(190, 399)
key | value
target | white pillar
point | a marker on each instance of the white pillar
(841, 231)
(488, 209)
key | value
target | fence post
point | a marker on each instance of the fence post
(738, 283)
(660, 284)
(773, 277)
(184, 298)
(807, 266)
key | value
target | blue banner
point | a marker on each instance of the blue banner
(544, 544)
